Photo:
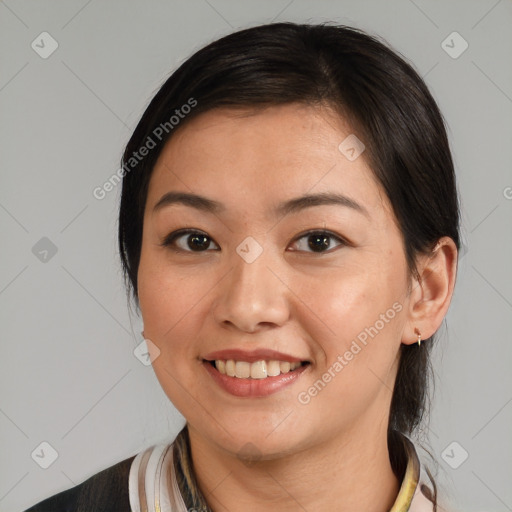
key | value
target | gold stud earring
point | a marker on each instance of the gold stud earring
(416, 331)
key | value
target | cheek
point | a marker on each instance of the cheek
(171, 309)
(352, 299)
(358, 339)
(167, 296)
(355, 318)
(174, 307)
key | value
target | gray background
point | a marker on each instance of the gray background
(68, 373)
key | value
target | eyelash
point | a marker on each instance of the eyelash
(172, 237)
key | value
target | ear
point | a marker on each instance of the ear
(432, 292)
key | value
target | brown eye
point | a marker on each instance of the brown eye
(188, 241)
(318, 241)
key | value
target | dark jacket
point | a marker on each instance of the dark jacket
(106, 491)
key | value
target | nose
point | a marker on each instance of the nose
(252, 297)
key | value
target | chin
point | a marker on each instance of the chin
(251, 440)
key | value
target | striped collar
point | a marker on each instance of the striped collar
(414, 494)
(158, 481)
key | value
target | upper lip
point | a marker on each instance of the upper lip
(251, 356)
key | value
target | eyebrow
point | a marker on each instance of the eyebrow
(290, 206)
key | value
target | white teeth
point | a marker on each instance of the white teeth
(242, 369)
(285, 366)
(230, 368)
(273, 368)
(221, 366)
(257, 370)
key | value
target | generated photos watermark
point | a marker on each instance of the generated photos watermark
(157, 135)
(358, 343)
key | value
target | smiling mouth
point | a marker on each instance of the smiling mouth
(256, 370)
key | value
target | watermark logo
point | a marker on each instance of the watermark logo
(150, 143)
(454, 455)
(249, 249)
(146, 352)
(454, 45)
(351, 147)
(249, 454)
(44, 250)
(304, 397)
(44, 455)
(44, 45)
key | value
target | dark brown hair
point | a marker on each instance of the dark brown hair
(384, 100)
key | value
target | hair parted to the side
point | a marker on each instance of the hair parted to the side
(380, 96)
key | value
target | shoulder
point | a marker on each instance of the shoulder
(106, 491)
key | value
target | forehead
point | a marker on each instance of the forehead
(256, 158)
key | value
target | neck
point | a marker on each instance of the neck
(347, 473)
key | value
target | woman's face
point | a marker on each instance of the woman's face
(251, 285)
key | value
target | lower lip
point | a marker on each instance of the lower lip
(253, 388)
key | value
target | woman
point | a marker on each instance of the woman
(288, 228)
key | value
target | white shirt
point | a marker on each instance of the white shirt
(153, 486)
